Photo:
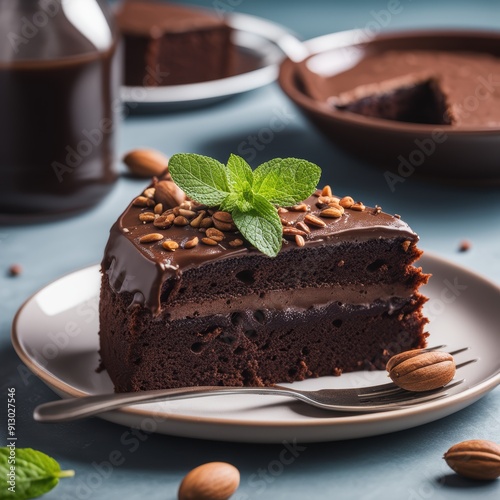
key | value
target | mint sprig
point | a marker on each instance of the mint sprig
(27, 473)
(250, 196)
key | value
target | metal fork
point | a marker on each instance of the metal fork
(360, 400)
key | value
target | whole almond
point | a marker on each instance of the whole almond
(169, 194)
(211, 481)
(146, 162)
(419, 370)
(475, 459)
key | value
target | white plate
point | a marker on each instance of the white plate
(263, 40)
(55, 334)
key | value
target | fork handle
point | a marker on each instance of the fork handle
(65, 410)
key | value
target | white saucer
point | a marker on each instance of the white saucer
(55, 335)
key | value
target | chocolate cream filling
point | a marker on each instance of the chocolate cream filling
(297, 300)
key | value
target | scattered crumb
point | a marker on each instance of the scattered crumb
(15, 270)
(464, 246)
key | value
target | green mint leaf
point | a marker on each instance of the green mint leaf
(260, 225)
(230, 202)
(35, 473)
(240, 175)
(249, 196)
(202, 178)
(286, 181)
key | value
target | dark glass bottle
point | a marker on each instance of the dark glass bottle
(60, 70)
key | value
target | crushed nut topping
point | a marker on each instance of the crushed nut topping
(236, 243)
(192, 242)
(312, 220)
(326, 191)
(358, 206)
(215, 224)
(332, 212)
(301, 207)
(170, 245)
(150, 238)
(346, 202)
(209, 241)
(147, 217)
(215, 234)
(299, 240)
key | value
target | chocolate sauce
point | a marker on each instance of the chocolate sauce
(59, 102)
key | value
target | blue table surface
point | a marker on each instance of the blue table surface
(402, 465)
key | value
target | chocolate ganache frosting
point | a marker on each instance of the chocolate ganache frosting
(145, 269)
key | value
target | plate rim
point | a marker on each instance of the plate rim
(472, 393)
(357, 37)
(278, 35)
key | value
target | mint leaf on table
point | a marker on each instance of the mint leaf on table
(250, 196)
(35, 473)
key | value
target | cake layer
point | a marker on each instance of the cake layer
(252, 347)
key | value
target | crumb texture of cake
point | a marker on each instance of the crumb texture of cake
(342, 297)
(171, 44)
(432, 87)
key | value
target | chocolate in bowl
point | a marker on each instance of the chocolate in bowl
(460, 153)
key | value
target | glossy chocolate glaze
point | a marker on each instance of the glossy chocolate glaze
(143, 268)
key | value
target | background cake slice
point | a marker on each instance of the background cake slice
(171, 44)
(184, 303)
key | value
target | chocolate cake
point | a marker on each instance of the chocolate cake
(186, 301)
(169, 44)
(442, 88)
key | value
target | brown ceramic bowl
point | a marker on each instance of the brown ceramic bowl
(465, 155)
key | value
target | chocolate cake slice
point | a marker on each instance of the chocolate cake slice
(414, 99)
(417, 86)
(186, 301)
(170, 44)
